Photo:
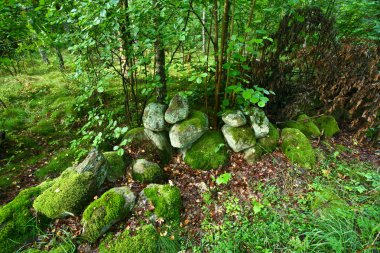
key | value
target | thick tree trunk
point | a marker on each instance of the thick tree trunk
(160, 54)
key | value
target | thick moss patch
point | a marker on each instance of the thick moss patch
(239, 138)
(297, 147)
(116, 166)
(68, 195)
(101, 214)
(166, 200)
(305, 125)
(145, 240)
(209, 152)
(147, 172)
(328, 125)
(269, 143)
(17, 224)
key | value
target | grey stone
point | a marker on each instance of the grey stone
(178, 109)
(259, 122)
(153, 117)
(234, 118)
(146, 172)
(239, 138)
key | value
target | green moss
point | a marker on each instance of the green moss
(117, 166)
(13, 119)
(145, 240)
(44, 128)
(327, 201)
(297, 147)
(68, 195)
(269, 143)
(147, 172)
(305, 125)
(56, 165)
(166, 200)
(209, 152)
(328, 125)
(196, 119)
(103, 213)
(17, 224)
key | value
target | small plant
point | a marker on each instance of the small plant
(223, 178)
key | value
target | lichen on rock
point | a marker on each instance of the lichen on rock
(306, 125)
(178, 109)
(297, 148)
(153, 117)
(146, 172)
(239, 138)
(328, 125)
(259, 122)
(186, 132)
(209, 152)
(234, 118)
(165, 199)
(16, 219)
(113, 206)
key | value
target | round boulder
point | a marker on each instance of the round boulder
(178, 109)
(154, 117)
(146, 172)
(259, 122)
(239, 138)
(234, 118)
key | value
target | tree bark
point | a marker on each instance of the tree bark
(60, 58)
(43, 55)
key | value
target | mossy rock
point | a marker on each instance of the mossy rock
(166, 200)
(154, 117)
(143, 147)
(328, 125)
(234, 118)
(146, 240)
(114, 205)
(209, 152)
(178, 109)
(253, 154)
(17, 223)
(305, 125)
(259, 122)
(147, 172)
(60, 248)
(239, 138)
(269, 143)
(68, 195)
(116, 165)
(297, 148)
(185, 133)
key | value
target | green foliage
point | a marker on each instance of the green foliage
(305, 125)
(166, 200)
(297, 147)
(209, 152)
(17, 223)
(67, 196)
(223, 178)
(13, 119)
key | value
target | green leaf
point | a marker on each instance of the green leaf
(257, 206)
(224, 178)
(100, 89)
(246, 94)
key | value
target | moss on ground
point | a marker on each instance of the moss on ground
(104, 212)
(17, 223)
(13, 119)
(68, 195)
(146, 240)
(209, 152)
(116, 165)
(56, 165)
(328, 125)
(166, 200)
(269, 143)
(45, 127)
(297, 147)
(305, 125)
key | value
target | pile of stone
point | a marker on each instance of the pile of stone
(251, 133)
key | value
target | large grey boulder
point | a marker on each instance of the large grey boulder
(259, 122)
(178, 109)
(96, 163)
(239, 138)
(252, 154)
(114, 205)
(154, 117)
(160, 140)
(234, 118)
(146, 172)
(186, 132)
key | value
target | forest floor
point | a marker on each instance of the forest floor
(37, 148)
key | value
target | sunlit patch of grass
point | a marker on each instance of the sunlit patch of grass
(61, 161)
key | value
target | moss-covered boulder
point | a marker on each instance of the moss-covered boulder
(116, 165)
(209, 152)
(154, 117)
(305, 125)
(17, 223)
(95, 163)
(69, 194)
(259, 122)
(239, 138)
(269, 143)
(328, 125)
(145, 240)
(141, 146)
(234, 118)
(114, 205)
(147, 172)
(178, 109)
(186, 132)
(297, 148)
(253, 154)
(160, 140)
(165, 199)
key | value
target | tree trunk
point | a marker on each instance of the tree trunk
(43, 55)
(160, 54)
(204, 31)
(216, 58)
(60, 58)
